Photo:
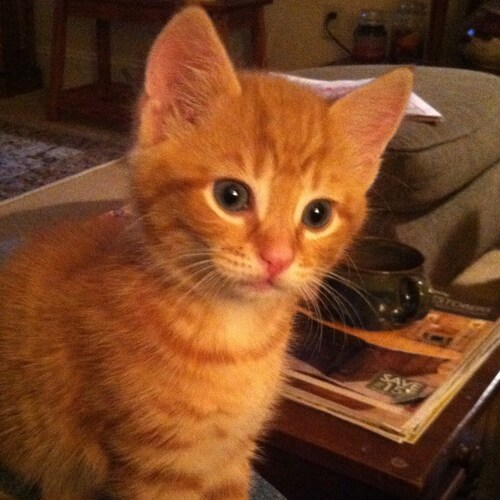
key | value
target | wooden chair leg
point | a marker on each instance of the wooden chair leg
(258, 37)
(222, 23)
(439, 9)
(57, 60)
(252, 17)
(103, 52)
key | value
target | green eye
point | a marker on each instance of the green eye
(317, 214)
(233, 196)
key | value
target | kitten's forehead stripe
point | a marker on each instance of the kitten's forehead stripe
(285, 120)
(290, 154)
(284, 134)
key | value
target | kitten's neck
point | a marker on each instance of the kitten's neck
(234, 330)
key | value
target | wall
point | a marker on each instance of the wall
(295, 37)
(295, 32)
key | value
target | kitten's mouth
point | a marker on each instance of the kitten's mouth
(262, 285)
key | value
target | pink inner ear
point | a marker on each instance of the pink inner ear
(377, 123)
(162, 66)
(370, 116)
(187, 67)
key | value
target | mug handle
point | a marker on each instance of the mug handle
(414, 298)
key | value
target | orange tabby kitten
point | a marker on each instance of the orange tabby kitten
(141, 359)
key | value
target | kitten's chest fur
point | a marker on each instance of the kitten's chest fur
(219, 356)
(201, 373)
(200, 342)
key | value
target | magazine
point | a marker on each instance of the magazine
(331, 90)
(395, 389)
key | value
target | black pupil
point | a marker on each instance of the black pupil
(317, 214)
(231, 195)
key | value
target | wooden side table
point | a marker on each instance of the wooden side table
(106, 101)
(312, 455)
(437, 17)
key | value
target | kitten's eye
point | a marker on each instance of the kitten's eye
(317, 214)
(232, 195)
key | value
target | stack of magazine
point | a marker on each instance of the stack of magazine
(331, 90)
(394, 389)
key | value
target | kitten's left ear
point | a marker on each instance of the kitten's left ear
(370, 117)
(186, 70)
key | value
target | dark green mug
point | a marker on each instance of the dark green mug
(381, 286)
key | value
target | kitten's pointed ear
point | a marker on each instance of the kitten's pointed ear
(187, 68)
(370, 116)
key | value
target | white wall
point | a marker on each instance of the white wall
(294, 36)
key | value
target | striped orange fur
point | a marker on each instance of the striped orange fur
(141, 357)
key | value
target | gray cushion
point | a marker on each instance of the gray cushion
(425, 163)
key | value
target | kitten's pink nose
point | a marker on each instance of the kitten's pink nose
(277, 259)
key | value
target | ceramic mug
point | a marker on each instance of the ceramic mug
(381, 286)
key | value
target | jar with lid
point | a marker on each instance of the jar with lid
(408, 33)
(370, 37)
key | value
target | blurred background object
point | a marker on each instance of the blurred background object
(481, 37)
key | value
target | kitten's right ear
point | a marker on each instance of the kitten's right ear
(187, 68)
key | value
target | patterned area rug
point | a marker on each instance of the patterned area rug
(30, 157)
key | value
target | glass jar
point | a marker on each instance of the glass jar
(408, 33)
(370, 37)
